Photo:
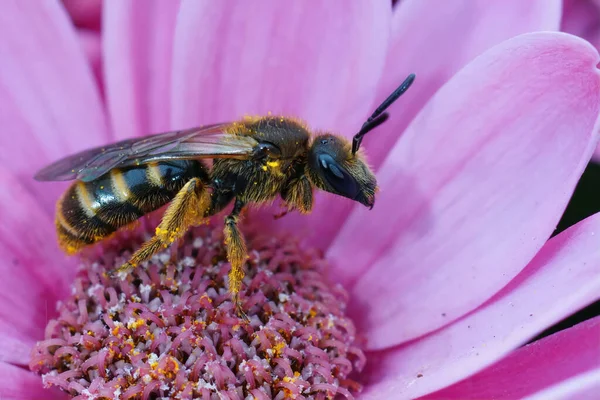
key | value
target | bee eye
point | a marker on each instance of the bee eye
(337, 177)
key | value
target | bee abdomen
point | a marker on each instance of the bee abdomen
(91, 211)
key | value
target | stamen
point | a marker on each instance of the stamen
(170, 330)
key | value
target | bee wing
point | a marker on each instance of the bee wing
(204, 142)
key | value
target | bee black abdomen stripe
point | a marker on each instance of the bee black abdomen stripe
(119, 215)
(115, 198)
(65, 232)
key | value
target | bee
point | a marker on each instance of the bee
(253, 161)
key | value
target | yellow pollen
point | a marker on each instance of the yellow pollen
(278, 349)
(205, 296)
(136, 324)
(173, 364)
(293, 379)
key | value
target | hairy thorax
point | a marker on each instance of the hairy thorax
(251, 181)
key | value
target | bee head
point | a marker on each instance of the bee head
(337, 166)
(334, 168)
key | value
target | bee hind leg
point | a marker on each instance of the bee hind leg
(236, 254)
(186, 209)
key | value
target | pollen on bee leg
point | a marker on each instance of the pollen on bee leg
(166, 237)
(237, 255)
(167, 331)
(186, 209)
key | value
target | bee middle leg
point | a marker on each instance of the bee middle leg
(186, 209)
(236, 254)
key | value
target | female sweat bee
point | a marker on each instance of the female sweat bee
(253, 162)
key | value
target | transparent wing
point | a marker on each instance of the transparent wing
(204, 142)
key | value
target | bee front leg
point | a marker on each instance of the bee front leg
(236, 254)
(186, 209)
(298, 195)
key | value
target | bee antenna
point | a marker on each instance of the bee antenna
(379, 116)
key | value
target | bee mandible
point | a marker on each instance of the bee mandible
(253, 161)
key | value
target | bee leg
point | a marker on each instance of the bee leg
(298, 195)
(236, 254)
(185, 210)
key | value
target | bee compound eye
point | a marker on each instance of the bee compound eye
(332, 167)
(337, 177)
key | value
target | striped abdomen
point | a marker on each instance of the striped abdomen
(90, 211)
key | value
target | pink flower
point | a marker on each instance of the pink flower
(448, 274)
(582, 18)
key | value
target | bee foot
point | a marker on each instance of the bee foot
(242, 314)
(122, 271)
(239, 310)
(280, 215)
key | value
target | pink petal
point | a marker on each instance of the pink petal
(14, 349)
(436, 43)
(49, 105)
(474, 188)
(315, 60)
(138, 48)
(582, 387)
(86, 13)
(35, 274)
(582, 18)
(562, 278)
(92, 47)
(19, 384)
(319, 61)
(549, 363)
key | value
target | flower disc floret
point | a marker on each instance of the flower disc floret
(169, 329)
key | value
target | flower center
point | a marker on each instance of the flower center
(169, 329)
